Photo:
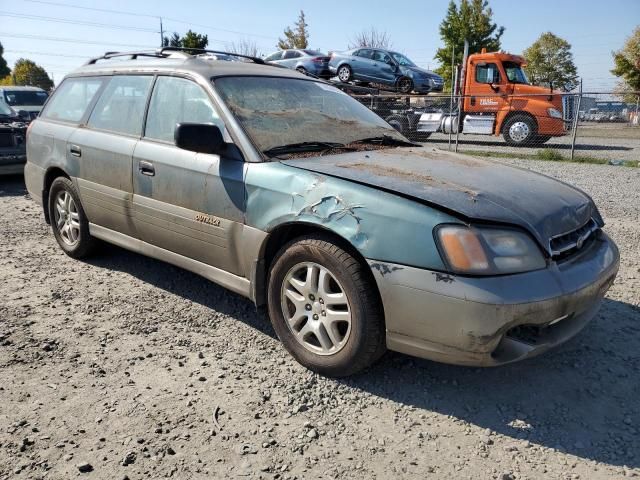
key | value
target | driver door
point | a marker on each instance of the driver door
(488, 92)
(186, 202)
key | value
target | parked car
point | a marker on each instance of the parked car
(302, 60)
(28, 99)
(286, 190)
(12, 141)
(385, 67)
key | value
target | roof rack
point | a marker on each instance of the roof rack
(204, 50)
(165, 52)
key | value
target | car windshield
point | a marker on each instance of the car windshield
(402, 60)
(283, 111)
(25, 97)
(6, 110)
(514, 72)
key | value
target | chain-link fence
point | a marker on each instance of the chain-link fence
(586, 127)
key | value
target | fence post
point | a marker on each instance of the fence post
(575, 121)
(454, 78)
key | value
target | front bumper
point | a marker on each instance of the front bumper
(488, 321)
(12, 161)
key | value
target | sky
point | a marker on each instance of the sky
(60, 35)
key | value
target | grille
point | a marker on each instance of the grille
(568, 243)
(6, 139)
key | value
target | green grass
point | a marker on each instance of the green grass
(547, 154)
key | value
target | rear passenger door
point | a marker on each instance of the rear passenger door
(185, 202)
(362, 65)
(104, 149)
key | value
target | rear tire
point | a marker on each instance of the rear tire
(520, 130)
(302, 70)
(68, 220)
(344, 73)
(325, 307)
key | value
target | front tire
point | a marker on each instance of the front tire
(520, 130)
(405, 85)
(325, 308)
(68, 220)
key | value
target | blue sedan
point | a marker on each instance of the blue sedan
(385, 67)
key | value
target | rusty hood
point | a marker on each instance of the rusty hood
(475, 189)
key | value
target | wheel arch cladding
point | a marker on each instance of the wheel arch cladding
(51, 174)
(377, 224)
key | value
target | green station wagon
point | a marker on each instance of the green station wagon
(286, 190)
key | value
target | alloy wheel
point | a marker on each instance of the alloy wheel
(519, 131)
(67, 218)
(316, 308)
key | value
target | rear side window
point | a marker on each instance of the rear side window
(291, 54)
(121, 105)
(71, 99)
(177, 100)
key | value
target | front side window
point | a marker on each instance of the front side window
(487, 73)
(177, 100)
(514, 73)
(381, 57)
(71, 99)
(402, 60)
(281, 111)
(17, 98)
(121, 105)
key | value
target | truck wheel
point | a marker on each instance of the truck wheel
(405, 85)
(519, 130)
(399, 123)
(344, 73)
(325, 308)
(68, 220)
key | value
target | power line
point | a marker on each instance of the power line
(73, 40)
(175, 20)
(75, 22)
(104, 10)
(30, 52)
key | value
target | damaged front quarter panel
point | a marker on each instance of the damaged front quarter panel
(380, 225)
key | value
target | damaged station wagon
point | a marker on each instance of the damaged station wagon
(286, 190)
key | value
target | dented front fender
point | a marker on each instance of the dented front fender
(378, 224)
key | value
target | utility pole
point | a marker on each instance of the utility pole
(161, 33)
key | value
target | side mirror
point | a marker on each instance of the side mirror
(199, 137)
(24, 115)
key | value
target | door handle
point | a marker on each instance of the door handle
(75, 150)
(146, 168)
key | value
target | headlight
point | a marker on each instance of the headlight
(554, 112)
(488, 251)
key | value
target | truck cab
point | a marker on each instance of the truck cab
(495, 86)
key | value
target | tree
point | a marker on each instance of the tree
(371, 38)
(4, 70)
(26, 72)
(296, 38)
(627, 66)
(471, 21)
(244, 47)
(550, 62)
(189, 40)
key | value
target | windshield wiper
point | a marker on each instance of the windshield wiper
(386, 140)
(302, 147)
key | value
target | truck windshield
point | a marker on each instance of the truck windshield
(402, 60)
(25, 97)
(276, 111)
(514, 72)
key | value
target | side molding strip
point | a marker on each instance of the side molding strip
(228, 280)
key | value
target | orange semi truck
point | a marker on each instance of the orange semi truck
(497, 99)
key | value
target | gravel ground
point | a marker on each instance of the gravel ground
(125, 367)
